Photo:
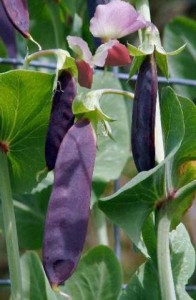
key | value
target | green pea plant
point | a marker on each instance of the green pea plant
(78, 142)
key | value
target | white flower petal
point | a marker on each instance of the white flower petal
(80, 47)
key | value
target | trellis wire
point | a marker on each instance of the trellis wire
(117, 244)
(5, 282)
(125, 76)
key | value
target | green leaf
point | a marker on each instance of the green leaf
(172, 120)
(187, 150)
(150, 238)
(97, 277)
(35, 283)
(162, 62)
(182, 260)
(179, 124)
(30, 212)
(98, 187)
(112, 154)
(133, 51)
(130, 206)
(185, 159)
(179, 31)
(135, 65)
(174, 52)
(144, 285)
(162, 58)
(25, 107)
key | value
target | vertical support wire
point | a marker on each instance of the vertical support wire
(117, 243)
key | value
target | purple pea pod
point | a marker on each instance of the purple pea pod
(143, 115)
(61, 118)
(69, 205)
(17, 12)
(7, 33)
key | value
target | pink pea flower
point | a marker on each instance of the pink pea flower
(110, 22)
(111, 53)
(84, 60)
(115, 20)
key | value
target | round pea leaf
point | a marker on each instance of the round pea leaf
(112, 154)
(179, 31)
(98, 276)
(25, 108)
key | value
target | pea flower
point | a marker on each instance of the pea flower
(115, 20)
(110, 22)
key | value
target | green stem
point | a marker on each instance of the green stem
(144, 8)
(169, 187)
(118, 92)
(164, 263)
(185, 191)
(101, 227)
(10, 230)
(37, 55)
(35, 42)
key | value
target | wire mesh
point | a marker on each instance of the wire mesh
(120, 75)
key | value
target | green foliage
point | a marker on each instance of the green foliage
(187, 151)
(25, 107)
(131, 205)
(98, 276)
(171, 114)
(35, 283)
(182, 259)
(30, 211)
(179, 31)
(112, 154)
(145, 286)
(41, 24)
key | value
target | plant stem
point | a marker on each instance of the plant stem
(35, 42)
(159, 147)
(38, 54)
(10, 230)
(186, 190)
(101, 227)
(164, 263)
(118, 92)
(169, 187)
(143, 7)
